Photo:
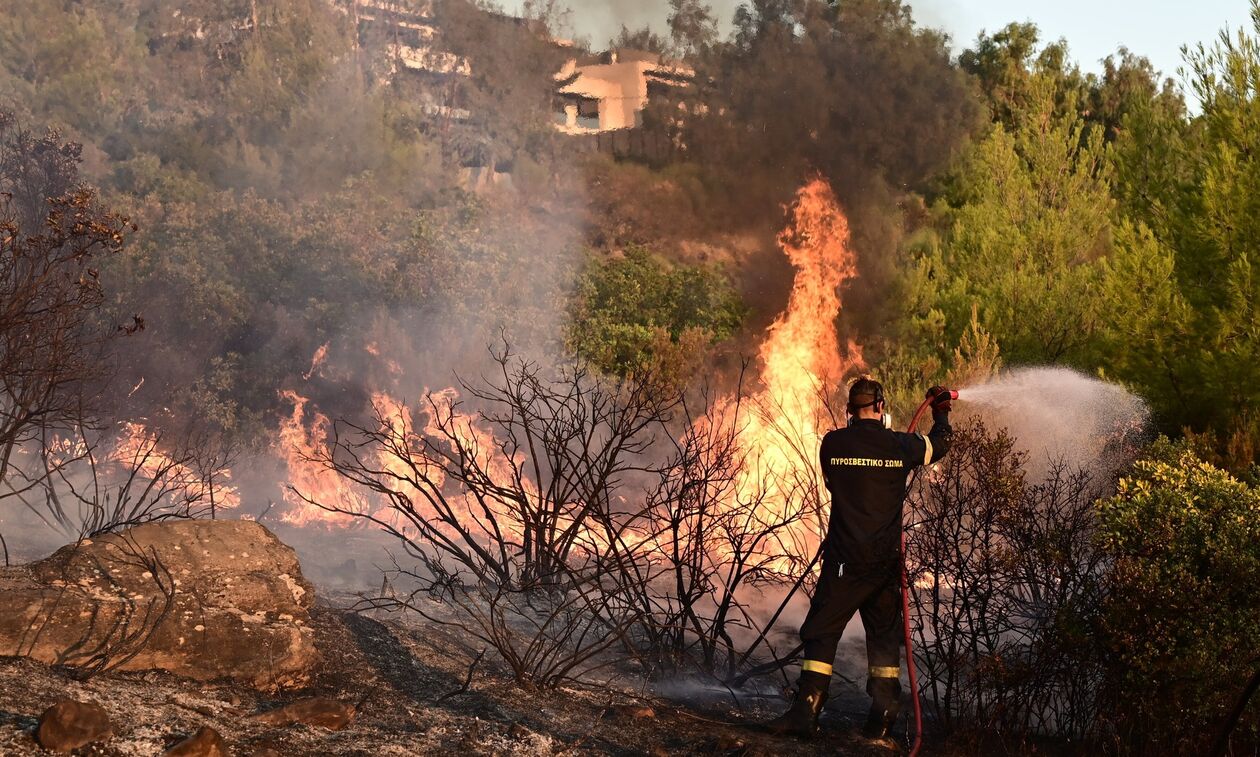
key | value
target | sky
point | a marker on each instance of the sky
(1093, 28)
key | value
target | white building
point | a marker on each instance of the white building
(610, 91)
(411, 31)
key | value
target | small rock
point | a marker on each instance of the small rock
(68, 725)
(728, 744)
(518, 732)
(630, 712)
(206, 742)
(321, 711)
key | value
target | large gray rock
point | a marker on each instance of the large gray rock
(201, 599)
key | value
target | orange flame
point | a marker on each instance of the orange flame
(800, 358)
(138, 449)
(480, 444)
(302, 444)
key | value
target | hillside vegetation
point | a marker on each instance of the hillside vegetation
(223, 194)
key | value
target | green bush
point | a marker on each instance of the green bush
(633, 311)
(1182, 620)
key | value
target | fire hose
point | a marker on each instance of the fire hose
(905, 606)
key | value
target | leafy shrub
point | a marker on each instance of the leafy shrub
(1183, 615)
(633, 311)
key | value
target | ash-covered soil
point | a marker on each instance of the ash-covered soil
(403, 679)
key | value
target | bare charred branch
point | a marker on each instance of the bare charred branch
(121, 625)
(1008, 575)
(463, 689)
(567, 515)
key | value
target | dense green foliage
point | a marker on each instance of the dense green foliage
(630, 309)
(1183, 618)
(1025, 240)
(1069, 244)
(1199, 200)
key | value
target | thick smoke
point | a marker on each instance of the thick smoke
(599, 21)
(294, 243)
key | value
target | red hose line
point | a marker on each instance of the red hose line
(905, 615)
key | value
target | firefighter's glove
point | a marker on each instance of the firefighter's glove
(941, 399)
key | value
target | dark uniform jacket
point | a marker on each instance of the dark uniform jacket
(866, 467)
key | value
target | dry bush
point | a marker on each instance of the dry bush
(54, 350)
(1009, 582)
(712, 541)
(53, 237)
(571, 516)
(512, 515)
(82, 482)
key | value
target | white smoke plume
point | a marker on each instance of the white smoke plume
(1060, 415)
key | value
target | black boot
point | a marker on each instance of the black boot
(802, 718)
(879, 724)
(885, 694)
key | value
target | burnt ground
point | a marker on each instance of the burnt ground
(403, 677)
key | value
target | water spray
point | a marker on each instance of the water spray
(1059, 416)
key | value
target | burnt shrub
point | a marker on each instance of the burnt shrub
(1122, 615)
(1009, 579)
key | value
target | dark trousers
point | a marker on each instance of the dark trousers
(877, 596)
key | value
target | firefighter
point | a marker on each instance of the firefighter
(866, 467)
